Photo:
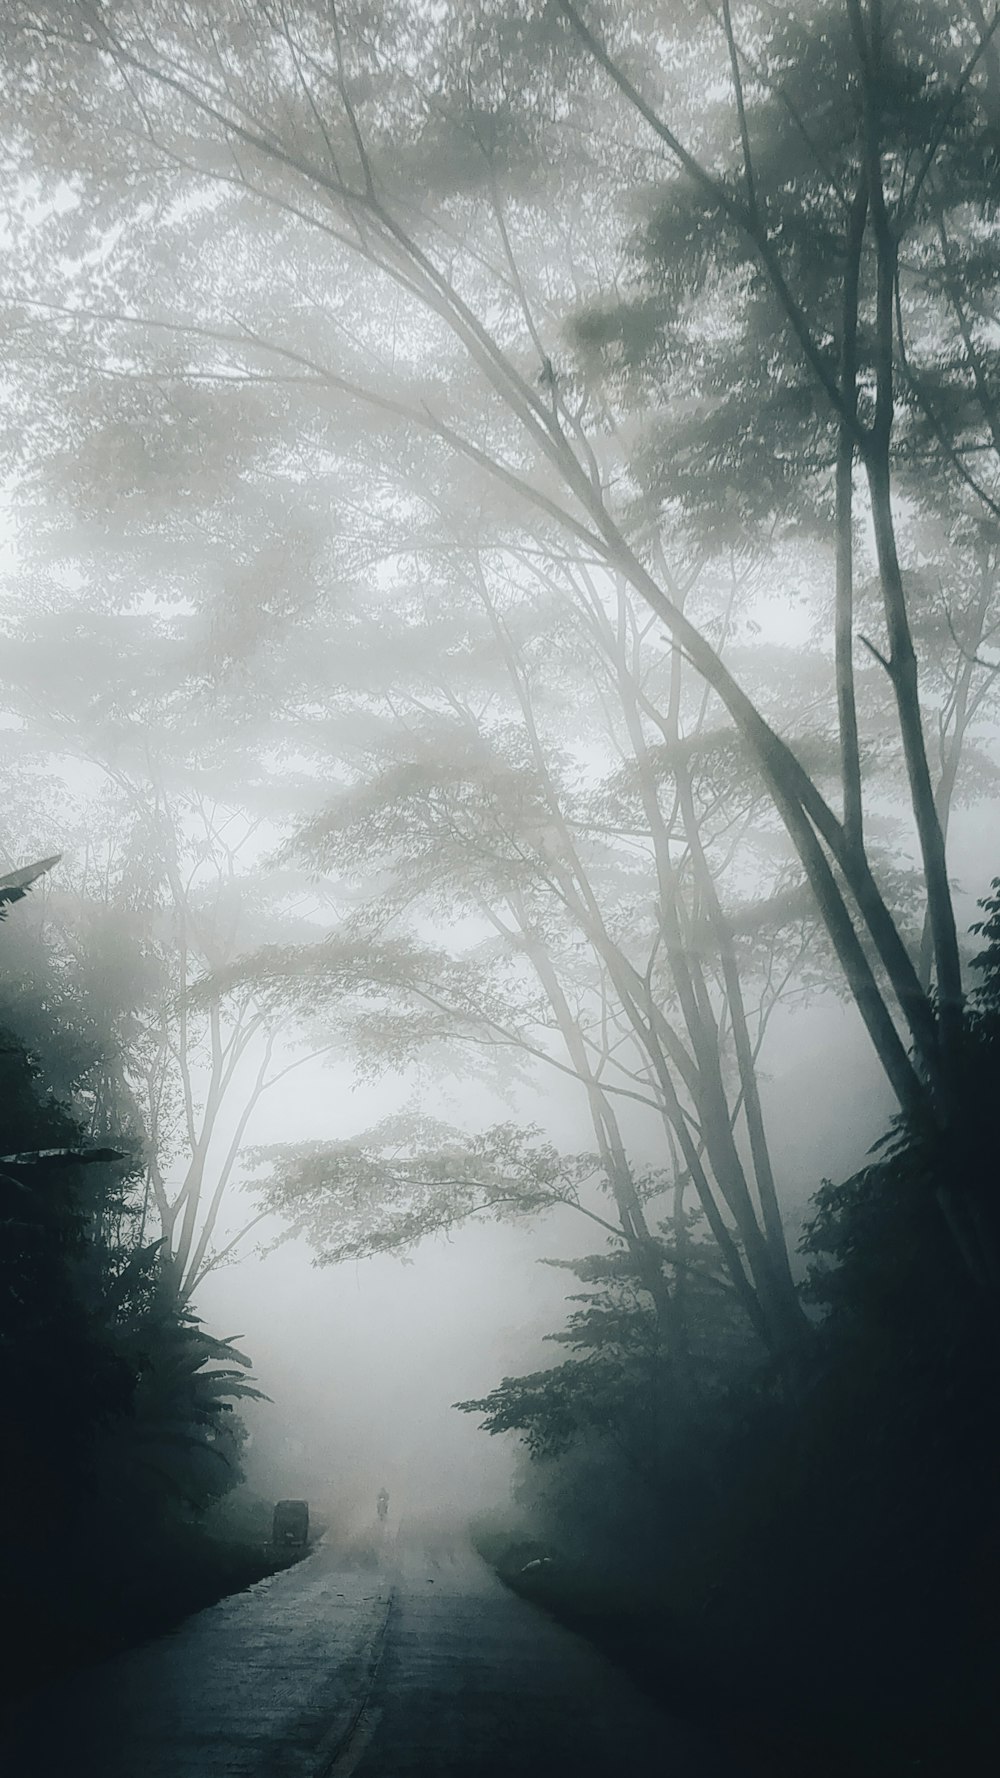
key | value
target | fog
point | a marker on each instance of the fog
(499, 896)
(363, 1364)
(363, 1361)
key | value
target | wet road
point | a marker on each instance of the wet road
(474, 1683)
(422, 1665)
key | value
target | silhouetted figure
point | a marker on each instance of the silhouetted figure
(382, 1505)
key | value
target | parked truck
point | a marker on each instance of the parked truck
(291, 1523)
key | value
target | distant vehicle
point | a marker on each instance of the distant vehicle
(291, 1522)
(382, 1504)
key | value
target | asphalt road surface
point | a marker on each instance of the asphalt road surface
(421, 1663)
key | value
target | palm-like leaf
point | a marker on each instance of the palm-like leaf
(17, 882)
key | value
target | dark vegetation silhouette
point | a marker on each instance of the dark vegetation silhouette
(119, 1423)
(421, 414)
(816, 1564)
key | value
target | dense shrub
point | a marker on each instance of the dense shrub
(118, 1405)
(832, 1595)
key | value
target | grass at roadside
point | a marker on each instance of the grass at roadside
(89, 1604)
(776, 1708)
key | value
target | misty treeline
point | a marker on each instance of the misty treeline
(506, 512)
(118, 1405)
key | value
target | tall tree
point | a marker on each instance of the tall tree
(504, 785)
(299, 120)
(167, 882)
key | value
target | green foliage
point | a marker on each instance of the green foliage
(62, 1377)
(884, 1267)
(388, 1188)
(986, 1008)
(181, 1441)
(413, 559)
(856, 1496)
(118, 1405)
(623, 1388)
(15, 884)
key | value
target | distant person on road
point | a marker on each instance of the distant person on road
(382, 1505)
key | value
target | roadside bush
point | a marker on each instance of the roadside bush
(119, 1423)
(833, 1597)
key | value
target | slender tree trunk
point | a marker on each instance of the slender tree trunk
(769, 1267)
(779, 1305)
(796, 799)
(850, 754)
(962, 707)
(747, 1072)
(383, 241)
(902, 660)
(196, 1268)
(644, 1249)
(575, 1047)
(903, 673)
(746, 1067)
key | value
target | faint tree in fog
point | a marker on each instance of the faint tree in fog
(438, 157)
(165, 885)
(510, 783)
(119, 1405)
(865, 140)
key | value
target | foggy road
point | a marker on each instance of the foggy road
(474, 1681)
(424, 1664)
